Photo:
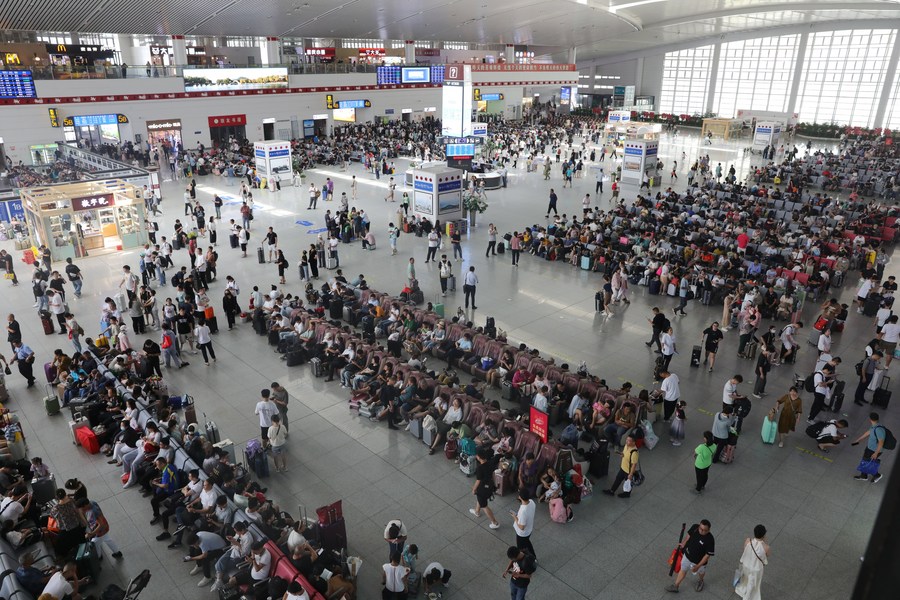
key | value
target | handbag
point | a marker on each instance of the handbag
(7, 370)
(737, 576)
(868, 467)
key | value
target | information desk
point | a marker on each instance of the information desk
(78, 219)
(484, 172)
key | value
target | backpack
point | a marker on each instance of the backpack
(559, 512)
(166, 342)
(809, 384)
(815, 430)
(890, 442)
(859, 367)
(569, 435)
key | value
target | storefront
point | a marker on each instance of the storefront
(85, 219)
(96, 129)
(225, 127)
(166, 132)
(77, 55)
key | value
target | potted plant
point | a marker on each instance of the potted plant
(473, 205)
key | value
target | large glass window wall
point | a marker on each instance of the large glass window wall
(755, 75)
(686, 81)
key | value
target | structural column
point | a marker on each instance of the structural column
(571, 56)
(713, 77)
(509, 54)
(409, 52)
(179, 50)
(889, 78)
(798, 73)
(271, 51)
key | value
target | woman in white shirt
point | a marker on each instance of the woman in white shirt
(889, 336)
(277, 436)
(667, 341)
(204, 341)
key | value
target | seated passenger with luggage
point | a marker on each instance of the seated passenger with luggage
(624, 421)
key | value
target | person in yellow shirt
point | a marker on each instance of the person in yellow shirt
(627, 469)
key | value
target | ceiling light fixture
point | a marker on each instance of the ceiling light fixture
(618, 7)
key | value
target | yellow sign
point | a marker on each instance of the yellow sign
(61, 48)
(122, 118)
(68, 122)
(54, 117)
(329, 101)
(11, 58)
(477, 92)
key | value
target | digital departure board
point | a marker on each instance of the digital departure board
(460, 150)
(17, 84)
(389, 75)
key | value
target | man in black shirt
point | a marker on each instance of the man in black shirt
(659, 323)
(57, 283)
(272, 243)
(713, 335)
(75, 276)
(520, 569)
(6, 262)
(697, 548)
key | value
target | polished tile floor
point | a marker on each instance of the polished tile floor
(818, 518)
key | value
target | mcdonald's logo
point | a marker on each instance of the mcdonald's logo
(61, 48)
(12, 58)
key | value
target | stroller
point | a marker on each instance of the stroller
(135, 587)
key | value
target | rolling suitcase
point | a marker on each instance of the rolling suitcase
(190, 411)
(873, 303)
(274, 337)
(87, 560)
(417, 296)
(881, 397)
(294, 358)
(46, 321)
(49, 372)
(88, 439)
(43, 489)
(837, 396)
(261, 255)
(51, 403)
(233, 238)
(598, 458)
(415, 428)
(751, 348)
(696, 354)
(213, 324)
(336, 309)
(428, 436)
(331, 262)
(586, 263)
(333, 537)
(212, 431)
(655, 285)
(727, 456)
(315, 366)
(451, 283)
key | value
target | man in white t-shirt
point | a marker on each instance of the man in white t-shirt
(434, 573)
(258, 570)
(523, 521)
(867, 286)
(671, 392)
(265, 408)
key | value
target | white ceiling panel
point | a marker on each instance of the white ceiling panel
(595, 27)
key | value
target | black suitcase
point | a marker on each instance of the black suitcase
(417, 296)
(881, 397)
(655, 286)
(213, 325)
(696, 354)
(261, 255)
(336, 309)
(294, 358)
(47, 322)
(274, 337)
(598, 458)
(333, 537)
(234, 240)
(87, 560)
(873, 303)
(501, 248)
(315, 366)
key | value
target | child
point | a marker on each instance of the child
(38, 468)
(676, 431)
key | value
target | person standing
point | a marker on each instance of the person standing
(446, 271)
(866, 373)
(471, 280)
(753, 564)
(598, 188)
(353, 188)
(6, 260)
(552, 205)
(75, 276)
(58, 308)
(281, 399)
(483, 488)
(271, 243)
(23, 357)
(97, 525)
(75, 331)
(204, 341)
(659, 324)
(394, 578)
(703, 455)
(710, 339)
(822, 380)
(265, 408)
(277, 436)
(434, 240)
(230, 307)
(874, 436)
(697, 548)
(523, 521)
(627, 468)
(411, 281)
(683, 288)
(671, 391)
(456, 242)
(520, 569)
(723, 421)
(515, 248)
(393, 235)
(763, 366)
(492, 241)
(313, 196)
(667, 341)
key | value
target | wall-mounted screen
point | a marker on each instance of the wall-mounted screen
(344, 114)
(415, 75)
(208, 80)
(460, 150)
(17, 84)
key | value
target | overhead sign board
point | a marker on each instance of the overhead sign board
(91, 202)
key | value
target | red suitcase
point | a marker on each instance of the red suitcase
(88, 439)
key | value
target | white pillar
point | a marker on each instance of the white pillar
(179, 50)
(509, 54)
(798, 73)
(890, 74)
(571, 56)
(713, 77)
(271, 51)
(409, 52)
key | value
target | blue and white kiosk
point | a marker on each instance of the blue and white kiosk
(437, 193)
(638, 157)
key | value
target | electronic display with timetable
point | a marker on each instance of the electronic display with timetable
(415, 74)
(389, 75)
(89, 120)
(460, 150)
(353, 104)
(17, 84)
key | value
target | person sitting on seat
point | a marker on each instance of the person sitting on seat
(257, 571)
